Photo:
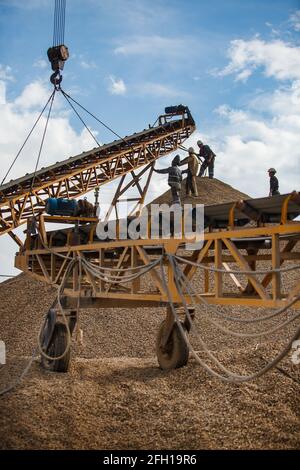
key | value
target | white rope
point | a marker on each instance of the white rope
(231, 377)
(122, 278)
(232, 271)
(190, 288)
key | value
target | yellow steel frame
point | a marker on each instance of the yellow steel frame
(220, 248)
(79, 175)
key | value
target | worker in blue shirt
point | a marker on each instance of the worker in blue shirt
(174, 179)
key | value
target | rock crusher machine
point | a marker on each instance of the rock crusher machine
(90, 273)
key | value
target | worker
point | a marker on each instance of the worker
(174, 179)
(274, 185)
(193, 167)
(208, 159)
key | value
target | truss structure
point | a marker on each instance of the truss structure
(80, 174)
(234, 248)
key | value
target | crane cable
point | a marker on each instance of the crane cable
(79, 117)
(27, 138)
(68, 98)
(58, 39)
(43, 140)
(59, 22)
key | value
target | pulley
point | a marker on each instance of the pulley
(58, 55)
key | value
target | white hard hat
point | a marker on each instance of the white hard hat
(199, 142)
(191, 150)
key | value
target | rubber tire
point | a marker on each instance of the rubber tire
(56, 347)
(177, 353)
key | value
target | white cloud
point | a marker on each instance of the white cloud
(254, 142)
(156, 46)
(284, 101)
(266, 132)
(6, 73)
(2, 92)
(88, 65)
(41, 64)
(243, 75)
(159, 90)
(34, 95)
(278, 59)
(116, 86)
(18, 116)
(62, 141)
(295, 20)
(141, 15)
(28, 5)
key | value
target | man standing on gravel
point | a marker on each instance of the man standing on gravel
(192, 171)
(274, 184)
(174, 179)
(209, 159)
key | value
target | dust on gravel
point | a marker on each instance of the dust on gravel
(115, 397)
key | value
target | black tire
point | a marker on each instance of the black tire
(176, 352)
(56, 348)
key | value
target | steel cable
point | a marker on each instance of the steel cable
(42, 141)
(39, 347)
(24, 143)
(231, 377)
(224, 271)
(188, 285)
(78, 115)
(236, 319)
(95, 117)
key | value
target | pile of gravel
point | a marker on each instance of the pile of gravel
(115, 396)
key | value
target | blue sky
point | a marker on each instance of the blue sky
(235, 63)
(187, 39)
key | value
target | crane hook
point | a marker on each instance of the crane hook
(57, 56)
(56, 79)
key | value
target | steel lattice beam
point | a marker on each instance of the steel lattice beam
(46, 265)
(79, 175)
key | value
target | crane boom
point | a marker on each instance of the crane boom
(19, 199)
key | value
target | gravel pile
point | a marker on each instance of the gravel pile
(210, 191)
(115, 397)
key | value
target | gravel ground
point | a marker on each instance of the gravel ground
(115, 397)
(128, 403)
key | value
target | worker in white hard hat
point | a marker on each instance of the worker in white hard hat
(274, 184)
(208, 159)
(192, 161)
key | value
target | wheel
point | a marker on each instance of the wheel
(57, 346)
(175, 353)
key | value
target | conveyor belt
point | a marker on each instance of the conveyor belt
(262, 210)
(80, 174)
